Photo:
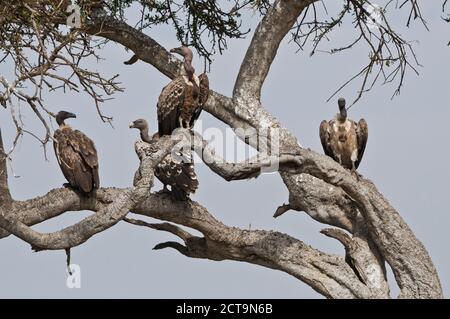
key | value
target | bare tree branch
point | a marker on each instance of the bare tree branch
(143, 46)
(168, 227)
(391, 56)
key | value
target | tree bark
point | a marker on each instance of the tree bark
(5, 195)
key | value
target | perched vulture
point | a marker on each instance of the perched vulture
(343, 139)
(180, 176)
(76, 155)
(181, 101)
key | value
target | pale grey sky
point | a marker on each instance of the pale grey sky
(406, 157)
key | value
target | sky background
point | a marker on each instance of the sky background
(407, 157)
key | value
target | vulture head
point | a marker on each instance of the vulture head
(142, 126)
(342, 109)
(186, 53)
(63, 115)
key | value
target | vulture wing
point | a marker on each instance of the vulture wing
(180, 176)
(324, 132)
(204, 88)
(169, 106)
(77, 158)
(89, 154)
(65, 156)
(203, 97)
(362, 133)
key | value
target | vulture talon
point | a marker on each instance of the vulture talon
(356, 174)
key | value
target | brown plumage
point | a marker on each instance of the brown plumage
(181, 101)
(202, 98)
(76, 155)
(343, 139)
(180, 176)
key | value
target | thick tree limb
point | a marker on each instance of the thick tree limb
(323, 202)
(168, 227)
(73, 235)
(368, 255)
(277, 22)
(143, 46)
(251, 168)
(368, 269)
(5, 195)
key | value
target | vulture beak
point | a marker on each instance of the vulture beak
(131, 125)
(71, 115)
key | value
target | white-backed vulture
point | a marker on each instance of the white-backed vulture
(181, 101)
(343, 139)
(76, 155)
(180, 176)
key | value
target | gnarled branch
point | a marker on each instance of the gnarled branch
(106, 217)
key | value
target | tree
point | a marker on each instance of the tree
(370, 229)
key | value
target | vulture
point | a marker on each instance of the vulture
(76, 155)
(343, 139)
(180, 176)
(181, 101)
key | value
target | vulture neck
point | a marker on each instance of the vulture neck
(60, 122)
(63, 125)
(144, 135)
(342, 116)
(187, 66)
